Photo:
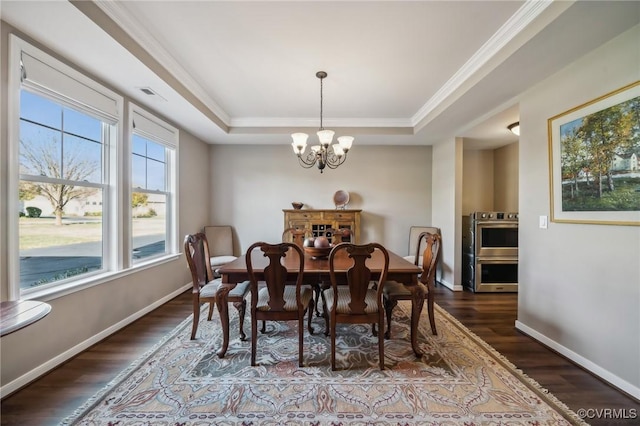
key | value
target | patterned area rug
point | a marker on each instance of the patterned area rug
(460, 380)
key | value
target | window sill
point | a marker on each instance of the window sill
(94, 280)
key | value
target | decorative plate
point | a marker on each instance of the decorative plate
(341, 199)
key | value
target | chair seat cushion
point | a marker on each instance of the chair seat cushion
(221, 260)
(344, 298)
(289, 298)
(211, 288)
(396, 290)
(240, 290)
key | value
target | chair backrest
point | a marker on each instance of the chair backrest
(196, 249)
(416, 246)
(340, 235)
(296, 235)
(430, 256)
(275, 273)
(359, 272)
(220, 240)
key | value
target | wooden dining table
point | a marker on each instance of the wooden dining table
(317, 271)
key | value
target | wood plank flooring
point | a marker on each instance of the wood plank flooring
(54, 396)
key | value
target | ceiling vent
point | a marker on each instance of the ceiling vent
(150, 92)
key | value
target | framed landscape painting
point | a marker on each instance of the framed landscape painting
(594, 160)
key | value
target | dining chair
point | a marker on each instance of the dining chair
(296, 235)
(205, 287)
(278, 299)
(394, 291)
(340, 235)
(221, 251)
(416, 245)
(360, 301)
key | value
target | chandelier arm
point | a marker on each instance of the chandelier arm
(309, 162)
(333, 161)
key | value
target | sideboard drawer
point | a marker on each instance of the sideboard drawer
(338, 216)
(309, 215)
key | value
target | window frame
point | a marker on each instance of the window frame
(153, 128)
(117, 230)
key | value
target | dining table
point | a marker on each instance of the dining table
(316, 270)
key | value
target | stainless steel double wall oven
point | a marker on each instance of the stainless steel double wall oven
(490, 251)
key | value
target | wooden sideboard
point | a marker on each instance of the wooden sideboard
(321, 222)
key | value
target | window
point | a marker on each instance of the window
(67, 186)
(153, 153)
(61, 157)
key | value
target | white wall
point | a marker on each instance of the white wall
(477, 181)
(490, 179)
(579, 284)
(505, 178)
(447, 207)
(252, 184)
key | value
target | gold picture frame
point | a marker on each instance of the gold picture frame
(594, 160)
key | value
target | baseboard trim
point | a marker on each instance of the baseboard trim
(42, 369)
(450, 286)
(605, 375)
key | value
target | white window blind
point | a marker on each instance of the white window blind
(47, 75)
(152, 128)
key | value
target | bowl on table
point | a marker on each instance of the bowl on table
(318, 252)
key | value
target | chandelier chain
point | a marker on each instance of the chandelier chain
(321, 127)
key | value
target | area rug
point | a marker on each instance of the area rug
(460, 380)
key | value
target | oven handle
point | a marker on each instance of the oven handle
(497, 259)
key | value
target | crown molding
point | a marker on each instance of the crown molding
(507, 32)
(150, 44)
(314, 122)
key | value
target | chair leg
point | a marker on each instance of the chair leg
(301, 334)
(264, 327)
(432, 319)
(316, 297)
(325, 314)
(196, 315)
(333, 346)
(211, 306)
(381, 341)
(310, 316)
(242, 309)
(254, 337)
(389, 304)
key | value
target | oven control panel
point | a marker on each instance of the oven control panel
(507, 216)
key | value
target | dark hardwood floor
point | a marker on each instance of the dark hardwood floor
(54, 396)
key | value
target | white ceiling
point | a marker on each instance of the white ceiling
(399, 72)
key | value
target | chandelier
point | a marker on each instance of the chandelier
(321, 154)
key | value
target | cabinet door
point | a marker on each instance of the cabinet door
(321, 229)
